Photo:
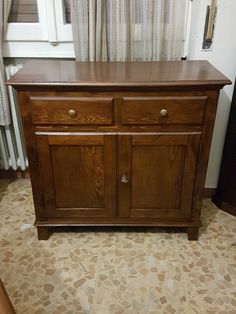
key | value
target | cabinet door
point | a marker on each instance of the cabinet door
(78, 175)
(156, 175)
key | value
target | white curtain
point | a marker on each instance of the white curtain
(128, 30)
(5, 6)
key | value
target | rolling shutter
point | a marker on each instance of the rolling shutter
(23, 11)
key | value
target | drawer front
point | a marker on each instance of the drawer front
(163, 110)
(72, 110)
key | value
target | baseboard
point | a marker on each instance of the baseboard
(209, 192)
(14, 174)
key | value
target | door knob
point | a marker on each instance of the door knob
(124, 179)
(163, 112)
(72, 113)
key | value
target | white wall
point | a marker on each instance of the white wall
(223, 57)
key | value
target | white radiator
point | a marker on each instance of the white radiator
(12, 146)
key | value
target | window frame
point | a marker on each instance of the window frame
(64, 30)
(29, 31)
(52, 37)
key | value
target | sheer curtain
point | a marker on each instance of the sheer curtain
(128, 30)
(5, 6)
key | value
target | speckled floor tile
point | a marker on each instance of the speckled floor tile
(115, 271)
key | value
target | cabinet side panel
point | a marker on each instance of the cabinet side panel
(31, 147)
(204, 151)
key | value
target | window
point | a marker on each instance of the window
(24, 11)
(38, 28)
(42, 28)
(26, 21)
(66, 8)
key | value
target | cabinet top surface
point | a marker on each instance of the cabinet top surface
(161, 73)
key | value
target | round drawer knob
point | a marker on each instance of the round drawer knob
(72, 113)
(163, 112)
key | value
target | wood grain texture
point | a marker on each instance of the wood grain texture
(88, 110)
(160, 171)
(78, 175)
(152, 165)
(204, 151)
(146, 110)
(104, 74)
(76, 168)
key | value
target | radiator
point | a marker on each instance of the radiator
(12, 146)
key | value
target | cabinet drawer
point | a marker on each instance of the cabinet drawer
(163, 110)
(72, 110)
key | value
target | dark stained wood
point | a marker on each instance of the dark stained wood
(88, 110)
(43, 232)
(78, 175)
(76, 168)
(192, 233)
(104, 74)
(147, 110)
(204, 152)
(85, 140)
(32, 150)
(6, 306)
(160, 170)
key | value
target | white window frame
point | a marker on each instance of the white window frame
(64, 30)
(29, 31)
(51, 37)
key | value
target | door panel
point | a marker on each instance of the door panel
(82, 168)
(159, 172)
(144, 163)
(78, 175)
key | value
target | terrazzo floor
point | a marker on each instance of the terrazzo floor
(106, 271)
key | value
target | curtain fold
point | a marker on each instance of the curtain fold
(5, 118)
(128, 30)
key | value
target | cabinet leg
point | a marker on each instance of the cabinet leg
(192, 233)
(43, 233)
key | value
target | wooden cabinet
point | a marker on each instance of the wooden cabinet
(78, 175)
(118, 144)
(159, 172)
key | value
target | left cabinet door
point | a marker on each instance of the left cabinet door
(77, 175)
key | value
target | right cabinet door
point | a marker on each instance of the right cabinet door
(156, 175)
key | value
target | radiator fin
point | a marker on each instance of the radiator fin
(12, 145)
